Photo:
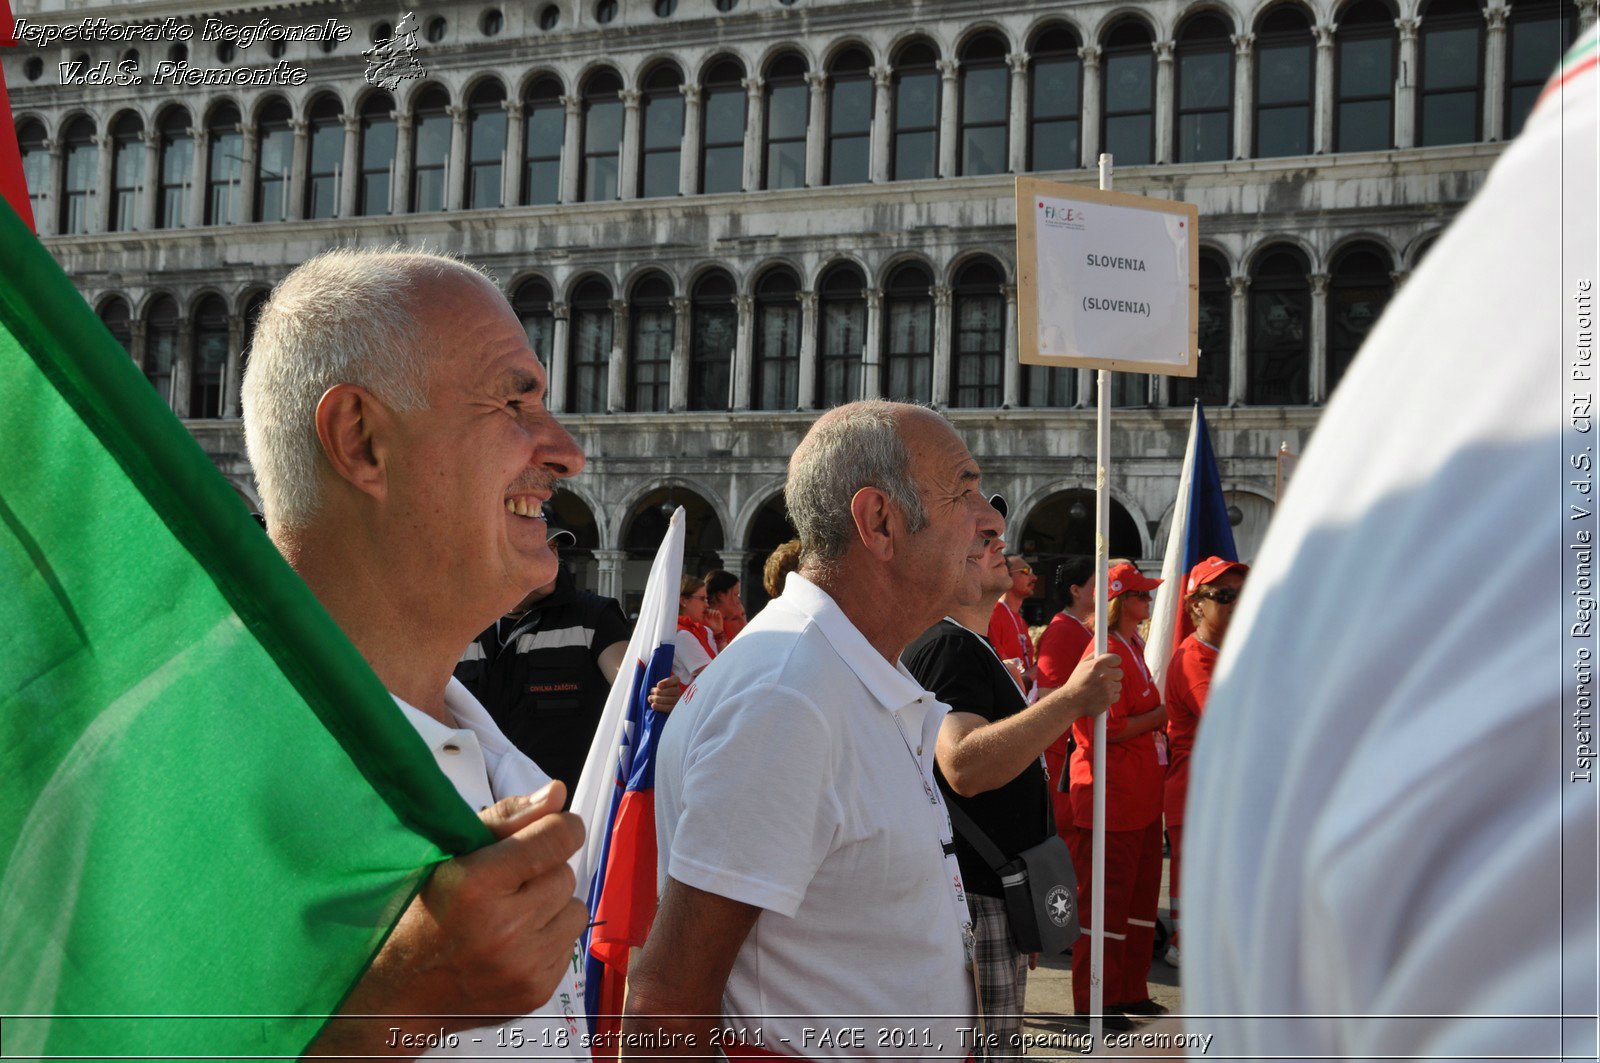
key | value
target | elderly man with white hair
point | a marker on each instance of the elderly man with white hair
(394, 415)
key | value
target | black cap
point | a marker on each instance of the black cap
(999, 503)
(560, 537)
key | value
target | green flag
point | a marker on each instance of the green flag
(211, 812)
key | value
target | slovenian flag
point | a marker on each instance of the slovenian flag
(211, 811)
(1200, 529)
(616, 799)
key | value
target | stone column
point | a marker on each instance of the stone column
(1086, 389)
(1160, 390)
(943, 353)
(817, 131)
(1494, 62)
(299, 169)
(249, 180)
(755, 123)
(1011, 391)
(1586, 15)
(198, 175)
(1398, 276)
(1405, 90)
(628, 160)
(743, 354)
(150, 195)
(689, 155)
(609, 563)
(350, 167)
(183, 365)
(1318, 370)
(559, 356)
(1239, 340)
(1018, 145)
(882, 84)
(678, 387)
(571, 142)
(1089, 121)
(231, 370)
(103, 192)
(1244, 94)
(1166, 106)
(872, 371)
(808, 351)
(455, 170)
(516, 148)
(400, 183)
(617, 379)
(949, 108)
(136, 325)
(1322, 97)
(737, 561)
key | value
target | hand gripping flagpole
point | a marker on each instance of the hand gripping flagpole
(1102, 536)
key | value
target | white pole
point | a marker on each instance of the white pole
(1102, 554)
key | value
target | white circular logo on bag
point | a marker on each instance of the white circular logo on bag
(1058, 902)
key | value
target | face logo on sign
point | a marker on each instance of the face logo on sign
(1062, 217)
(1059, 904)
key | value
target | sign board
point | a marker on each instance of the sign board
(1107, 280)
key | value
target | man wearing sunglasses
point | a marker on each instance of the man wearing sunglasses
(1008, 631)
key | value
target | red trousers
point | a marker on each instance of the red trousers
(1133, 892)
(1175, 840)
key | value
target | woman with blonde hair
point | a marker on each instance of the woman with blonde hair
(694, 645)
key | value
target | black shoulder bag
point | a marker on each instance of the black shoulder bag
(1041, 890)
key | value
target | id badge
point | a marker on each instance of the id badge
(1161, 748)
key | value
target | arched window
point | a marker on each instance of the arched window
(430, 149)
(1210, 386)
(486, 145)
(777, 362)
(1363, 72)
(788, 112)
(602, 138)
(1450, 74)
(1359, 289)
(843, 335)
(916, 114)
(325, 159)
(985, 106)
(1054, 101)
(114, 314)
(850, 119)
(35, 165)
(713, 327)
(1127, 116)
(1538, 32)
(81, 158)
(908, 335)
(127, 172)
(977, 364)
(161, 345)
(1280, 315)
(1284, 72)
(592, 324)
(546, 119)
(210, 357)
(274, 160)
(378, 141)
(722, 154)
(662, 104)
(531, 301)
(1205, 90)
(225, 166)
(650, 367)
(177, 171)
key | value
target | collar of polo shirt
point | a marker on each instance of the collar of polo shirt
(889, 684)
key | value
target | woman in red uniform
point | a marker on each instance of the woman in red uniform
(1060, 650)
(1133, 813)
(1209, 595)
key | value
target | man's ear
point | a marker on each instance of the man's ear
(348, 418)
(875, 517)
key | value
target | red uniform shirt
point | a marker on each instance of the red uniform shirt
(1061, 647)
(1008, 634)
(1133, 777)
(1188, 684)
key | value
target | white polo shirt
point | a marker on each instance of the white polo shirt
(788, 778)
(485, 767)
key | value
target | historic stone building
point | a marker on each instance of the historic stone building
(719, 216)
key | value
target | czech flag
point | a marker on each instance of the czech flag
(616, 799)
(1200, 529)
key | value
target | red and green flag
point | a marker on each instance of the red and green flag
(211, 811)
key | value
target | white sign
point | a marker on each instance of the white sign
(1107, 280)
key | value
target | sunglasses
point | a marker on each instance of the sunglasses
(1023, 571)
(1223, 595)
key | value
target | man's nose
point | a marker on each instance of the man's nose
(558, 451)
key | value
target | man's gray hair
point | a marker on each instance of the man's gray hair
(344, 317)
(854, 446)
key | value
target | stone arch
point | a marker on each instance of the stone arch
(644, 522)
(836, 258)
(1007, 269)
(763, 524)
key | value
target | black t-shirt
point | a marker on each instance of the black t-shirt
(964, 673)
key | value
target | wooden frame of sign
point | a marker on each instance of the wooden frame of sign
(1032, 196)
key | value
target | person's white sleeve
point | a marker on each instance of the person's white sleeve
(688, 657)
(758, 798)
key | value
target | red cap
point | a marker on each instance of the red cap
(1210, 569)
(1125, 577)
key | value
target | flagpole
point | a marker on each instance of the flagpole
(1102, 537)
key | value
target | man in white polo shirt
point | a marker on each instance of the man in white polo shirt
(811, 897)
